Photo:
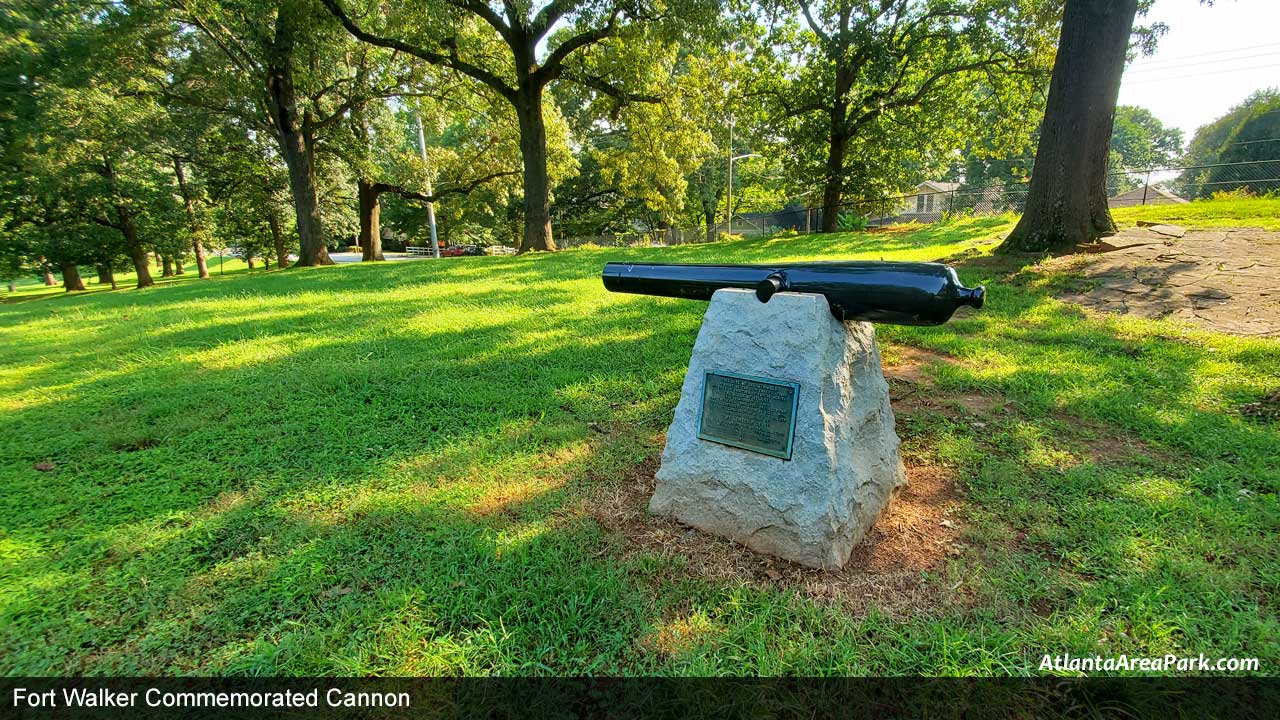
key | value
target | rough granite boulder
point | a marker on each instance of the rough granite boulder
(844, 468)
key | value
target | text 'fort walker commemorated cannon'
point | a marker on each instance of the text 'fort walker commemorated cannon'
(900, 293)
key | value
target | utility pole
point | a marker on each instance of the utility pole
(729, 205)
(431, 206)
(732, 158)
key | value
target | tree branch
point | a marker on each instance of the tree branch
(603, 87)
(813, 24)
(105, 222)
(548, 16)
(435, 58)
(554, 65)
(235, 52)
(486, 13)
(923, 90)
(353, 103)
(788, 108)
(459, 190)
(250, 118)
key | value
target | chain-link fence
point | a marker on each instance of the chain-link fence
(934, 201)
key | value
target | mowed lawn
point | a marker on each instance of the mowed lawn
(393, 469)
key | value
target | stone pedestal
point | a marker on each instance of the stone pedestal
(844, 465)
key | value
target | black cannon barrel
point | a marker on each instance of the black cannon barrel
(900, 293)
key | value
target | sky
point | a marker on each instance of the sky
(1210, 59)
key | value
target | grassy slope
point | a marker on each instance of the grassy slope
(287, 473)
(32, 288)
(1227, 212)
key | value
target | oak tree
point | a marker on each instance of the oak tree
(877, 85)
(1067, 198)
(502, 48)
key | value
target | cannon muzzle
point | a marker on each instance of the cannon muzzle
(899, 293)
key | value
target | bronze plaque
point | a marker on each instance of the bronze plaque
(752, 413)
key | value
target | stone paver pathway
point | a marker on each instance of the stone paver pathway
(1224, 280)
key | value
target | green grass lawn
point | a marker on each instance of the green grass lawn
(1225, 212)
(32, 288)
(390, 469)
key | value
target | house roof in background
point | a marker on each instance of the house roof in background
(938, 185)
(1150, 192)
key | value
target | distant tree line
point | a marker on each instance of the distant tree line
(148, 132)
(1248, 133)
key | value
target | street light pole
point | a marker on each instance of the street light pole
(431, 206)
(732, 158)
(728, 209)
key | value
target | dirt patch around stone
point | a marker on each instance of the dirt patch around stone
(912, 389)
(1112, 449)
(907, 364)
(1267, 408)
(1104, 445)
(887, 569)
(1221, 280)
(901, 566)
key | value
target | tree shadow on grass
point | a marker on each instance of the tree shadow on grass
(172, 472)
(401, 497)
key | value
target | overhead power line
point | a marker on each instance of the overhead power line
(1177, 58)
(1201, 63)
(1225, 71)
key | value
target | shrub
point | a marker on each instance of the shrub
(850, 222)
(1236, 194)
(959, 213)
(724, 236)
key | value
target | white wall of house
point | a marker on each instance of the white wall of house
(926, 200)
(923, 203)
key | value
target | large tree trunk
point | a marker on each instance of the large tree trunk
(167, 265)
(133, 244)
(311, 244)
(833, 189)
(71, 277)
(537, 186)
(125, 224)
(837, 147)
(709, 216)
(297, 148)
(106, 276)
(370, 210)
(277, 238)
(1067, 199)
(187, 200)
(48, 278)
